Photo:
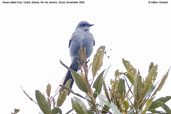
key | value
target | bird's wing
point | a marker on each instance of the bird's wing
(93, 39)
(76, 36)
(69, 43)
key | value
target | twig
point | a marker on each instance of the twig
(64, 65)
(129, 89)
(69, 111)
(86, 75)
(77, 94)
(28, 96)
(128, 85)
(89, 87)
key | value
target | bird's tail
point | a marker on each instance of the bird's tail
(74, 66)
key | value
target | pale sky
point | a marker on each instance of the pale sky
(34, 37)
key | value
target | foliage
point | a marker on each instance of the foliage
(128, 92)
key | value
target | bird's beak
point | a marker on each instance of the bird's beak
(91, 25)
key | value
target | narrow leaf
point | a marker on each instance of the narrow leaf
(151, 66)
(106, 91)
(129, 67)
(157, 102)
(148, 103)
(148, 93)
(138, 90)
(162, 82)
(43, 104)
(98, 60)
(131, 71)
(121, 87)
(166, 108)
(63, 94)
(105, 109)
(98, 83)
(62, 98)
(48, 90)
(151, 77)
(130, 77)
(80, 82)
(77, 107)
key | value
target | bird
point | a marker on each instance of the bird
(82, 37)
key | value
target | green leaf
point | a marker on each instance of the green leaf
(166, 108)
(80, 102)
(106, 91)
(150, 91)
(117, 73)
(63, 93)
(121, 87)
(151, 66)
(157, 102)
(138, 89)
(161, 83)
(131, 71)
(62, 98)
(56, 111)
(80, 82)
(15, 111)
(95, 94)
(126, 105)
(148, 103)
(78, 107)
(43, 104)
(129, 67)
(151, 77)
(98, 60)
(130, 77)
(105, 109)
(98, 83)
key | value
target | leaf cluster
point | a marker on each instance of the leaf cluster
(127, 93)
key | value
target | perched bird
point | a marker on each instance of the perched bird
(80, 37)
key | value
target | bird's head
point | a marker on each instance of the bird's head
(84, 25)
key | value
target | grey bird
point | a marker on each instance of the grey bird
(80, 37)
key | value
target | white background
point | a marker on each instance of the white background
(33, 37)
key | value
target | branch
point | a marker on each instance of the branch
(28, 96)
(77, 94)
(69, 111)
(64, 65)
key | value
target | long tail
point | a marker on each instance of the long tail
(74, 66)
